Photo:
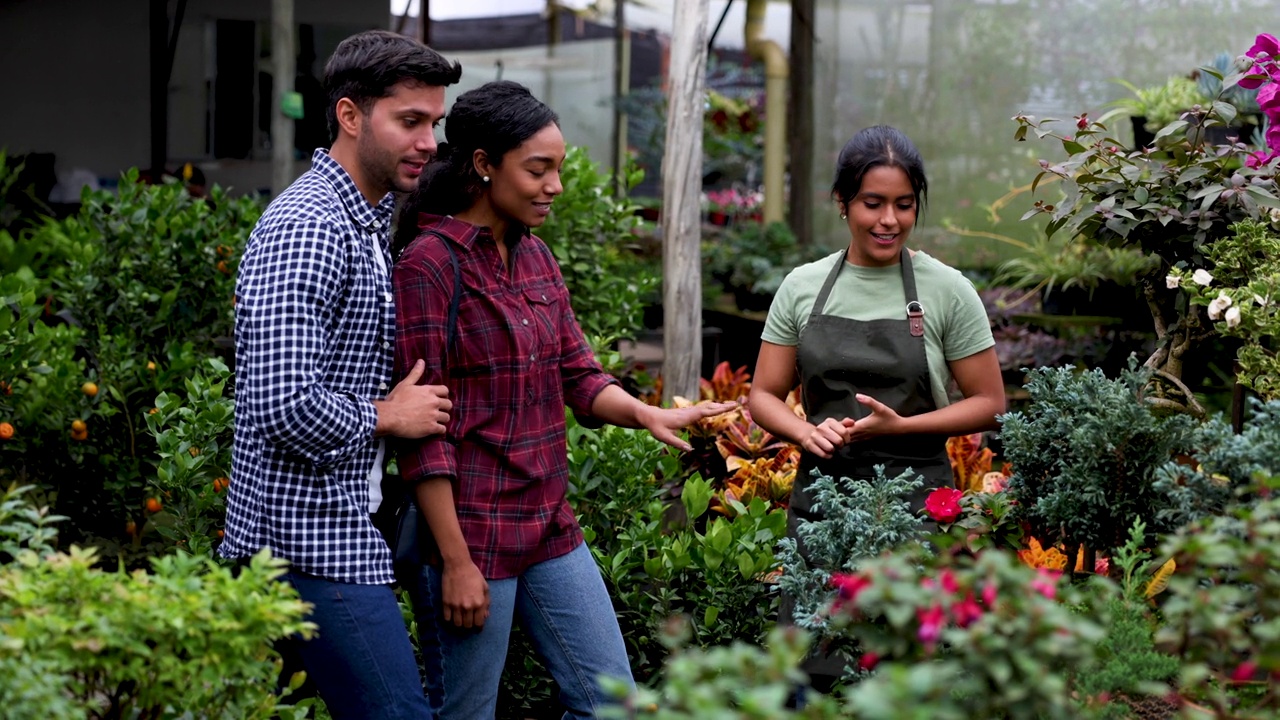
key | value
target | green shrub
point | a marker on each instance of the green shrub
(590, 233)
(188, 637)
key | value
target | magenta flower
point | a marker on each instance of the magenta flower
(1268, 45)
(989, 594)
(967, 611)
(1269, 101)
(868, 661)
(1046, 582)
(948, 580)
(943, 504)
(848, 586)
(931, 622)
(1245, 672)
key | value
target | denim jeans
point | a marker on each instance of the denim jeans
(564, 607)
(361, 660)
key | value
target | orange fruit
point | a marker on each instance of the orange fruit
(79, 426)
(151, 367)
(6, 431)
(222, 267)
(90, 389)
(224, 251)
(220, 534)
(220, 484)
(153, 411)
(6, 388)
(131, 528)
(80, 435)
(193, 450)
(154, 505)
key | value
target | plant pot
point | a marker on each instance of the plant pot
(1142, 138)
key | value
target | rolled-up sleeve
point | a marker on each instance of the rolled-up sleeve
(285, 302)
(422, 299)
(580, 373)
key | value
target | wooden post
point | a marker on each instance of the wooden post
(800, 152)
(621, 86)
(681, 203)
(283, 69)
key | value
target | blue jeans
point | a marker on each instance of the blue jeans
(561, 603)
(361, 660)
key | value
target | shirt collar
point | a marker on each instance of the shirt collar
(367, 217)
(464, 233)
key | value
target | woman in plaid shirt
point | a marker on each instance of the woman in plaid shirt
(493, 487)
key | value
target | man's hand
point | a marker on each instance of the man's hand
(466, 595)
(412, 410)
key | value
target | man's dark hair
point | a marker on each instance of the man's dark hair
(496, 117)
(367, 65)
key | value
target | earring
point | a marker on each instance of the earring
(484, 179)
(843, 216)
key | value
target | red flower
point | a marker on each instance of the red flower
(848, 586)
(943, 504)
(948, 580)
(966, 611)
(1046, 582)
(989, 594)
(931, 622)
(868, 661)
(1082, 122)
(1245, 672)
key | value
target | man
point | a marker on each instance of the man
(314, 351)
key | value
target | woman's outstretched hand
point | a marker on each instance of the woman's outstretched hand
(663, 423)
(881, 421)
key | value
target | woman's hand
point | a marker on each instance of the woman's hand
(882, 420)
(466, 595)
(663, 423)
(827, 436)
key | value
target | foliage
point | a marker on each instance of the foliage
(1241, 290)
(23, 526)
(993, 634)
(1085, 454)
(590, 233)
(193, 442)
(188, 637)
(1223, 609)
(756, 257)
(861, 518)
(1172, 202)
(1162, 104)
(1055, 264)
(143, 295)
(661, 566)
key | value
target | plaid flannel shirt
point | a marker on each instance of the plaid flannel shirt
(518, 358)
(315, 329)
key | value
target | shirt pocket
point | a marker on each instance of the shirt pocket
(545, 313)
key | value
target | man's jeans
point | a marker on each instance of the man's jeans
(361, 661)
(564, 607)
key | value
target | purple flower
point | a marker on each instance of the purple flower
(1268, 44)
(1269, 101)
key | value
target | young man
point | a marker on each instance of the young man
(314, 351)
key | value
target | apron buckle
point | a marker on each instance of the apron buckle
(915, 317)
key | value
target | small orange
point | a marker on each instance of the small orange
(151, 367)
(154, 505)
(90, 389)
(131, 528)
(224, 251)
(78, 426)
(6, 431)
(80, 435)
(153, 411)
(220, 484)
(195, 451)
(222, 267)
(6, 388)
(220, 534)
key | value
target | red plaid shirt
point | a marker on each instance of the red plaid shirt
(518, 358)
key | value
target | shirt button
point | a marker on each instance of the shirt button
(386, 345)
(382, 386)
(533, 358)
(544, 298)
(387, 296)
(524, 321)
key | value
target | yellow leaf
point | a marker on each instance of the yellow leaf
(1161, 579)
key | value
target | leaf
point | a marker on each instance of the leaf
(696, 496)
(1160, 580)
(1225, 111)
(1171, 128)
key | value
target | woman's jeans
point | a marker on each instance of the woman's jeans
(564, 607)
(361, 661)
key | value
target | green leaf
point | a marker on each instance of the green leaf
(696, 496)
(1171, 128)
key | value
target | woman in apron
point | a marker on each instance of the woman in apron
(875, 334)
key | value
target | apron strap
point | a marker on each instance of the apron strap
(915, 311)
(820, 303)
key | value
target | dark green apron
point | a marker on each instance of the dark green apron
(836, 359)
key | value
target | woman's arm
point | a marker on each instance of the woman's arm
(616, 407)
(466, 592)
(978, 376)
(775, 377)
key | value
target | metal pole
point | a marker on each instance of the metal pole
(158, 22)
(283, 69)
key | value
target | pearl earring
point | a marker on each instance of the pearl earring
(843, 216)
(484, 179)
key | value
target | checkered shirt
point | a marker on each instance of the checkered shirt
(518, 359)
(315, 331)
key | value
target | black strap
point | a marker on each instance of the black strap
(451, 338)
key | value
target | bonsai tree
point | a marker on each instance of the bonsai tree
(1173, 201)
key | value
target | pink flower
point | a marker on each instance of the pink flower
(1269, 101)
(967, 611)
(868, 661)
(1101, 566)
(848, 586)
(948, 580)
(989, 594)
(1268, 44)
(1245, 672)
(1046, 582)
(931, 622)
(943, 504)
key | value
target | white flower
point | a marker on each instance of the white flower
(1218, 304)
(1201, 277)
(1275, 216)
(1260, 300)
(1232, 317)
(1172, 281)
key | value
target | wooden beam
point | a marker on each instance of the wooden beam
(681, 204)
(283, 70)
(800, 202)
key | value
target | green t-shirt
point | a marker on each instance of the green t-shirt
(955, 325)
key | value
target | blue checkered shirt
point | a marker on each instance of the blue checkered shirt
(315, 333)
